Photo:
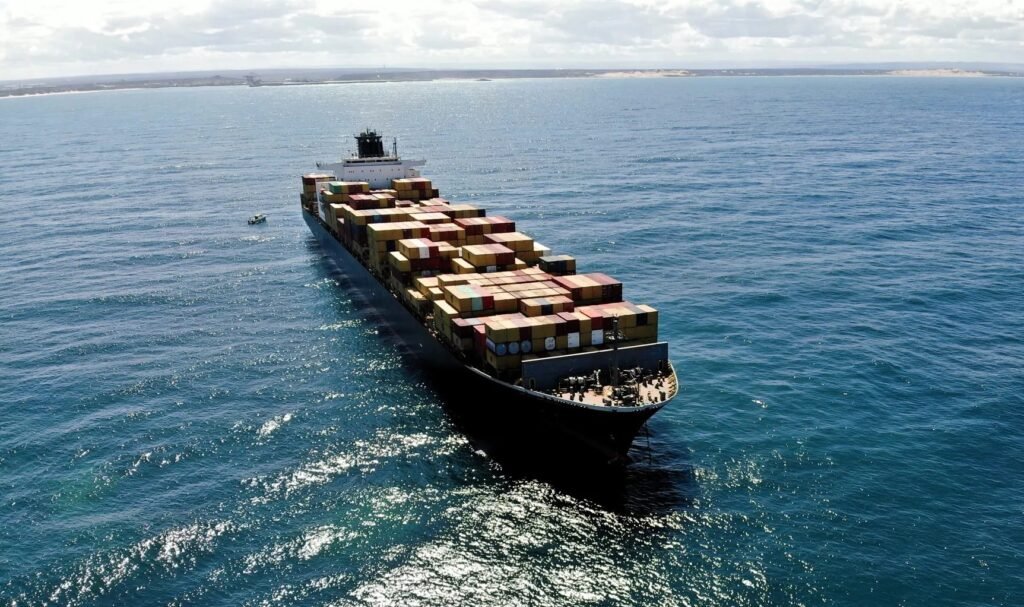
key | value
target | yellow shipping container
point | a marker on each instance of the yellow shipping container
(543, 328)
(505, 303)
(461, 266)
(400, 262)
(503, 363)
(517, 241)
(448, 251)
(430, 218)
(445, 280)
(443, 315)
(329, 197)
(348, 187)
(532, 257)
(464, 211)
(379, 234)
(425, 283)
(652, 314)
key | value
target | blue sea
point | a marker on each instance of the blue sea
(194, 411)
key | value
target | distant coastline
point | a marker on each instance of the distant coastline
(940, 73)
(298, 77)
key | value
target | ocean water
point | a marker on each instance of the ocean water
(194, 411)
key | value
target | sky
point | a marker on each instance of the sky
(50, 38)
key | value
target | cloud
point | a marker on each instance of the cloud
(40, 36)
(270, 26)
(753, 21)
(770, 23)
(608, 22)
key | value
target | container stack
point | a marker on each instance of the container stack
(636, 323)
(382, 239)
(312, 183)
(491, 292)
(507, 339)
(443, 315)
(546, 321)
(428, 218)
(333, 214)
(415, 255)
(536, 289)
(430, 287)
(488, 257)
(355, 194)
(477, 227)
(462, 331)
(356, 221)
(532, 256)
(470, 300)
(431, 208)
(448, 232)
(463, 211)
(517, 241)
(362, 202)
(387, 196)
(413, 188)
(544, 306)
(594, 288)
(558, 265)
(348, 187)
(423, 254)
(420, 304)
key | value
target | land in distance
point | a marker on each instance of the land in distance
(296, 77)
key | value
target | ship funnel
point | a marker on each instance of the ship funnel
(370, 144)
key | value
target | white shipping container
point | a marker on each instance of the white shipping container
(597, 337)
(321, 184)
(574, 340)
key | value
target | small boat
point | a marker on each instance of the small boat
(257, 218)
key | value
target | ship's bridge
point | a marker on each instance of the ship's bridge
(372, 163)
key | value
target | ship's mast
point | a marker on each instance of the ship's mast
(615, 353)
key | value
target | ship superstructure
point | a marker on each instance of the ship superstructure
(372, 163)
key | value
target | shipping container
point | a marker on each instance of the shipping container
(558, 265)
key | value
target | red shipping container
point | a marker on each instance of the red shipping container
(480, 339)
(595, 314)
(572, 324)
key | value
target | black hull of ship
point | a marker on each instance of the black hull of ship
(524, 418)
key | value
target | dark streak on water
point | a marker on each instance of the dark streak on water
(193, 411)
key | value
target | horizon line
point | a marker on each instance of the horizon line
(991, 66)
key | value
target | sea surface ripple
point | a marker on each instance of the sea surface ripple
(198, 412)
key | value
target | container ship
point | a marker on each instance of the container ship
(485, 307)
